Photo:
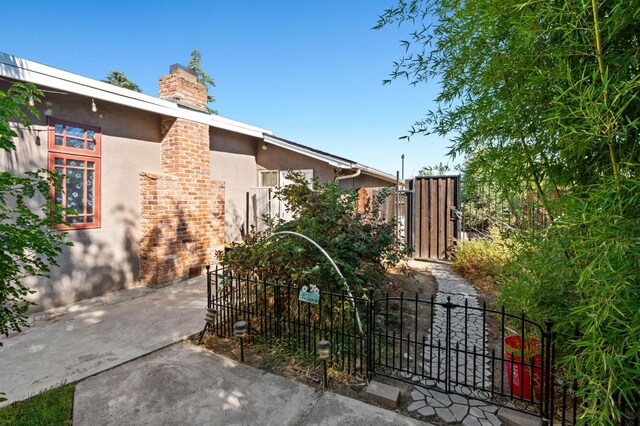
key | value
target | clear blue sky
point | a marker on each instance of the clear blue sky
(310, 71)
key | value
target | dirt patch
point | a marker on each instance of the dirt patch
(406, 279)
(409, 278)
(304, 369)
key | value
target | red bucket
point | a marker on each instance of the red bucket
(519, 371)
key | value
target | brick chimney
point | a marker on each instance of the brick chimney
(182, 209)
(181, 86)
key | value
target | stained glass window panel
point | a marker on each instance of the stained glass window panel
(75, 143)
(58, 196)
(75, 190)
(75, 163)
(74, 153)
(90, 190)
(75, 131)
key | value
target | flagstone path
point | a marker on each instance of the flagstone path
(467, 331)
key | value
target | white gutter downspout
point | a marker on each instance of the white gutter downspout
(356, 174)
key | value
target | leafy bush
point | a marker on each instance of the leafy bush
(543, 98)
(482, 260)
(28, 243)
(583, 274)
(359, 243)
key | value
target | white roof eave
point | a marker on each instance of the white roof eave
(43, 75)
(329, 159)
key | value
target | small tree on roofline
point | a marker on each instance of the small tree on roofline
(203, 77)
(117, 78)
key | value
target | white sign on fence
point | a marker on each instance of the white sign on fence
(311, 295)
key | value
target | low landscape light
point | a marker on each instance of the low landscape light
(324, 353)
(210, 315)
(240, 331)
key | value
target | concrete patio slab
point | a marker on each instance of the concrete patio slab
(185, 384)
(336, 410)
(79, 340)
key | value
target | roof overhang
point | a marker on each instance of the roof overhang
(332, 160)
(21, 69)
(45, 76)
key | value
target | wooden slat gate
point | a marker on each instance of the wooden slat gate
(434, 216)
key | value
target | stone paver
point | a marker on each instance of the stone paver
(466, 329)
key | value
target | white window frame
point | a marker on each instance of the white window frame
(261, 179)
(283, 181)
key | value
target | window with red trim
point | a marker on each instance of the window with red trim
(75, 152)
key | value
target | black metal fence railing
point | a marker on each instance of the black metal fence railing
(480, 353)
(273, 311)
(464, 350)
(482, 207)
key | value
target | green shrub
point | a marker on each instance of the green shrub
(482, 260)
(582, 273)
(359, 243)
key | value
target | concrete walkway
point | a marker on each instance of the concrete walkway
(126, 354)
(185, 384)
(79, 340)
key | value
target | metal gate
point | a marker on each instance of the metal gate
(442, 344)
(434, 216)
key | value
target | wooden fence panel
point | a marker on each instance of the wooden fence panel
(436, 227)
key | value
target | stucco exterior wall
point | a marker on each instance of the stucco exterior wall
(233, 160)
(237, 159)
(104, 259)
(276, 158)
(364, 181)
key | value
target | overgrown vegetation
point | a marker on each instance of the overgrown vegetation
(483, 260)
(543, 99)
(360, 244)
(51, 407)
(28, 243)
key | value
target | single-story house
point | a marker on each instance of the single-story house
(159, 184)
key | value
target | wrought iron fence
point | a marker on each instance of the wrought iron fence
(461, 353)
(275, 312)
(442, 344)
(483, 206)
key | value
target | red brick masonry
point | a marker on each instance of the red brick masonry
(181, 209)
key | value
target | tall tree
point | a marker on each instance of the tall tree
(28, 242)
(117, 78)
(203, 77)
(544, 98)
